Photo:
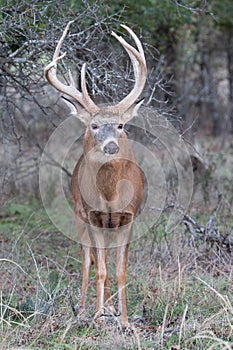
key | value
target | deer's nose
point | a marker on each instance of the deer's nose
(111, 148)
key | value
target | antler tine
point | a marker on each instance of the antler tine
(60, 42)
(140, 71)
(83, 80)
(51, 75)
(137, 41)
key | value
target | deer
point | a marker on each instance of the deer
(107, 184)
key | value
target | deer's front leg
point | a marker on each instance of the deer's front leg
(101, 274)
(98, 248)
(107, 292)
(122, 256)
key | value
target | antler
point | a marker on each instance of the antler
(51, 75)
(139, 67)
(140, 72)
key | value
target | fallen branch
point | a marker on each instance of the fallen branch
(208, 233)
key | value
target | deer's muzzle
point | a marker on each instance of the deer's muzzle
(111, 148)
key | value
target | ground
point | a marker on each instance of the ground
(179, 290)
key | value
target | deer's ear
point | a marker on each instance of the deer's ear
(77, 110)
(132, 111)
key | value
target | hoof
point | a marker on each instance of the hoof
(125, 326)
(99, 319)
(111, 310)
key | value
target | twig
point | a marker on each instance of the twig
(72, 303)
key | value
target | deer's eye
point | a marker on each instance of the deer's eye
(120, 126)
(94, 126)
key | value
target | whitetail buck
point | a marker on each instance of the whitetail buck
(107, 184)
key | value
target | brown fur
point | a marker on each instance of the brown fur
(105, 186)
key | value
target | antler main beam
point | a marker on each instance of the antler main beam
(140, 71)
(70, 90)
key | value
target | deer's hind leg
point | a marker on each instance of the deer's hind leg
(122, 257)
(87, 261)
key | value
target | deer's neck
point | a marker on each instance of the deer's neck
(104, 174)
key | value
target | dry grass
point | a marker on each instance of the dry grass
(179, 296)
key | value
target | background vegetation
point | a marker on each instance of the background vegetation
(179, 285)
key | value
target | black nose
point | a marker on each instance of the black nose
(111, 148)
